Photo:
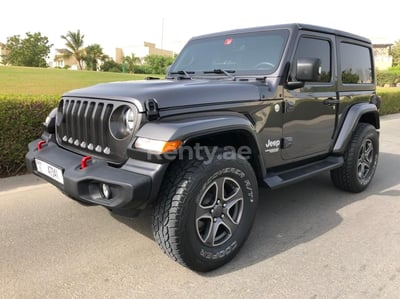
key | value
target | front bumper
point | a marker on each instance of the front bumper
(129, 190)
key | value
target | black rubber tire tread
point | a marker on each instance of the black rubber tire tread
(170, 209)
(345, 177)
(170, 204)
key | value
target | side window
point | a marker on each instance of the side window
(315, 48)
(356, 67)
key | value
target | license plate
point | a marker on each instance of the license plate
(50, 171)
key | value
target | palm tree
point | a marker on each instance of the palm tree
(94, 53)
(74, 43)
(130, 62)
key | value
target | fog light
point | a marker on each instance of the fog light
(105, 191)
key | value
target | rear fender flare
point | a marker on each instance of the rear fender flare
(353, 117)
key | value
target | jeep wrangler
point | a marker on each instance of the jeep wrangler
(266, 106)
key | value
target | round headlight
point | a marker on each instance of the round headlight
(123, 122)
(50, 122)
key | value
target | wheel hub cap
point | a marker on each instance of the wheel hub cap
(365, 159)
(219, 211)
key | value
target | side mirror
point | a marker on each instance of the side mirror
(308, 69)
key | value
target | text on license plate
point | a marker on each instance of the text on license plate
(50, 171)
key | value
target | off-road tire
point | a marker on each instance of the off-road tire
(189, 196)
(360, 160)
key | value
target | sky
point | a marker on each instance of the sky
(171, 23)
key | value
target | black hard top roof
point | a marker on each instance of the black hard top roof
(292, 27)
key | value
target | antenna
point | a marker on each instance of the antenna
(162, 34)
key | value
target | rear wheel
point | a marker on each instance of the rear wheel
(360, 160)
(206, 211)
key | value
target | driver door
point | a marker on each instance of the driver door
(310, 112)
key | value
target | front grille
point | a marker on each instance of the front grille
(83, 126)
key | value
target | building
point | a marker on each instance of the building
(119, 55)
(140, 51)
(63, 60)
(383, 56)
(153, 50)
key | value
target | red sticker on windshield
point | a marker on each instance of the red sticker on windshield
(228, 41)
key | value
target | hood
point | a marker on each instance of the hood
(177, 93)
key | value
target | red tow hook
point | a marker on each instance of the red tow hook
(41, 144)
(85, 161)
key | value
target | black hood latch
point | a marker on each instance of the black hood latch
(152, 111)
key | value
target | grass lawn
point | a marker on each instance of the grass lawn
(387, 89)
(21, 81)
(41, 81)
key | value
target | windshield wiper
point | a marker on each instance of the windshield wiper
(182, 72)
(221, 71)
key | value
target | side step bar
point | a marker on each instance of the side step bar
(276, 180)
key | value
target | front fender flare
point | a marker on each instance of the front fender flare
(187, 129)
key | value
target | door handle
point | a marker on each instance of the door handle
(331, 101)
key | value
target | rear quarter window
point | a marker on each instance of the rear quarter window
(356, 64)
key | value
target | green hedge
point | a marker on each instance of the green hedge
(21, 119)
(390, 101)
(390, 76)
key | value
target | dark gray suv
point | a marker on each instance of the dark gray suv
(266, 106)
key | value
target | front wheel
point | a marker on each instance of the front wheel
(360, 160)
(206, 210)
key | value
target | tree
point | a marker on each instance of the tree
(94, 53)
(158, 64)
(30, 51)
(396, 53)
(74, 43)
(130, 62)
(110, 65)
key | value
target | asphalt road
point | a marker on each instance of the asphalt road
(309, 241)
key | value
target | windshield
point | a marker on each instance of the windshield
(241, 54)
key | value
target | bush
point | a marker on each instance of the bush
(390, 76)
(390, 101)
(142, 69)
(21, 119)
(111, 66)
(158, 64)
